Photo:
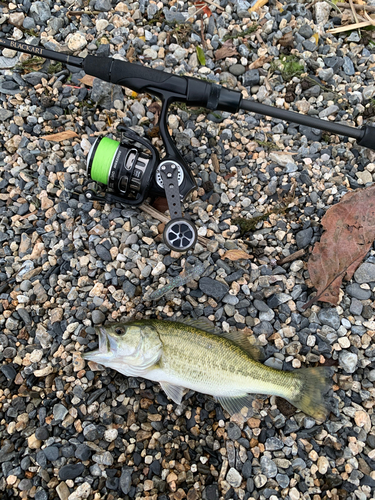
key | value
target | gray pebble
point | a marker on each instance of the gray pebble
(35, 77)
(59, 412)
(348, 66)
(348, 361)
(365, 273)
(40, 12)
(251, 78)
(283, 480)
(213, 288)
(273, 444)
(303, 238)
(5, 114)
(103, 5)
(90, 432)
(354, 290)
(234, 478)
(97, 317)
(126, 480)
(330, 317)
(237, 69)
(234, 432)
(306, 31)
(356, 307)
(103, 253)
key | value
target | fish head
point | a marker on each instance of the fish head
(132, 344)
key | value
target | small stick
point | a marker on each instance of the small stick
(164, 218)
(350, 27)
(372, 21)
(259, 37)
(369, 8)
(292, 256)
(353, 11)
(81, 12)
(258, 5)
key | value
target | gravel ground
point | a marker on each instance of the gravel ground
(70, 430)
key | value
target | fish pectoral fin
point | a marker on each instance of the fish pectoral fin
(174, 392)
(235, 404)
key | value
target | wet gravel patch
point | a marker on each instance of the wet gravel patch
(71, 430)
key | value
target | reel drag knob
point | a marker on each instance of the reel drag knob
(180, 235)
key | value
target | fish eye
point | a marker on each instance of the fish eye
(120, 331)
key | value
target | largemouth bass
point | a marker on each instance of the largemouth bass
(191, 355)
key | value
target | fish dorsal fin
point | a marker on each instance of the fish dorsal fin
(175, 392)
(201, 324)
(235, 404)
(247, 343)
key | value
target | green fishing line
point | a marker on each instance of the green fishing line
(102, 160)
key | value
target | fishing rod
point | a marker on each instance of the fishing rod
(131, 167)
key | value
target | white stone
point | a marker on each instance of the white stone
(110, 435)
(234, 478)
(101, 24)
(180, 53)
(83, 491)
(159, 269)
(36, 356)
(77, 41)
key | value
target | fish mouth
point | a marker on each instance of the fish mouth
(104, 348)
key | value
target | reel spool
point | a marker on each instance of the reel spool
(131, 170)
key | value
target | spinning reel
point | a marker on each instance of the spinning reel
(131, 169)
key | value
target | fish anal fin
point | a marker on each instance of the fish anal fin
(235, 404)
(174, 392)
(247, 343)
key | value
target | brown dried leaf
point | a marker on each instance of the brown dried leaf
(130, 54)
(259, 63)
(61, 136)
(160, 204)
(87, 80)
(236, 255)
(287, 40)
(156, 109)
(227, 50)
(349, 233)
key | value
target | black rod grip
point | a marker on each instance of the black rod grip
(134, 76)
(192, 91)
(368, 137)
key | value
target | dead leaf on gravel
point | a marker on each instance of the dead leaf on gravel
(349, 233)
(259, 63)
(130, 54)
(287, 40)
(236, 255)
(87, 80)
(61, 136)
(227, 50)
(156, 109)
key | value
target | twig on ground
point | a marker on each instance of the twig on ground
(350, 27)
(291, 257)
(344, 5)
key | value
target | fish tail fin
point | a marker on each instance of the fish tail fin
(311, 384)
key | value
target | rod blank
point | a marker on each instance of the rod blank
(309, 121)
